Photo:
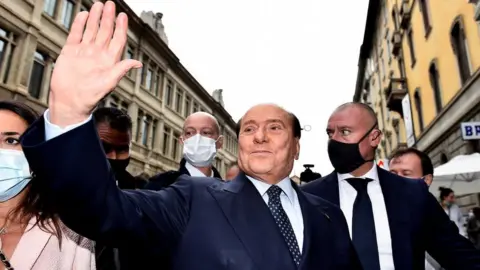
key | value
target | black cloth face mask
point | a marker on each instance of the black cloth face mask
(119, 165)
(346, 157)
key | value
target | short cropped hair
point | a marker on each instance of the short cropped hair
(426, 162)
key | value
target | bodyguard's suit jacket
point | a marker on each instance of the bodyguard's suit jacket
(417, 223)
(163, 180)
(201, 223)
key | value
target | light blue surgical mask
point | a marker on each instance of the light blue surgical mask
(14, 173)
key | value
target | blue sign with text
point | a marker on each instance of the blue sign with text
(470, 130)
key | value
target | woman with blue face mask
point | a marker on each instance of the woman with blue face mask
(31, 235)
(447, 200)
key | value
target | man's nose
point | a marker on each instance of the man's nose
(112, 155)
(260, 136)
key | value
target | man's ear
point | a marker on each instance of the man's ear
(428, 179)
(219, 143)
(297, 148)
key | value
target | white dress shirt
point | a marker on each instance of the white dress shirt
(290, 204)
(288, 198)
(347, 195)
(194, 171)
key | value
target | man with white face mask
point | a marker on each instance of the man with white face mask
(200, 138)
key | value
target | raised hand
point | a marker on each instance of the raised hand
(89, 65)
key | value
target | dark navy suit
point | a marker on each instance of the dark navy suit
(199, 223)
(417, 223)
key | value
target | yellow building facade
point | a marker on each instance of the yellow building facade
(158, 98)
(431, 85)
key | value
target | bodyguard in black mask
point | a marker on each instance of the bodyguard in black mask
(115, 131)
(393, 220)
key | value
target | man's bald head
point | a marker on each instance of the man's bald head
(364, 109)
(202, 119)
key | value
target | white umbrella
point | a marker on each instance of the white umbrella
(459, 174)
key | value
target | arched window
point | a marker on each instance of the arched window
(435, 83)
(460, 49)
(418, 106)
(443, 158)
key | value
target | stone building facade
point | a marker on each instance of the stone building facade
(158, 97)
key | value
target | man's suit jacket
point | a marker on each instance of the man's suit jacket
(201, 224)
(417, 223)
(163, 180)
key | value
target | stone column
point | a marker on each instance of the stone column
(138, 72)
(47, 75)
(170, 144)
(133, 112)
(150, 135)
(158, 143)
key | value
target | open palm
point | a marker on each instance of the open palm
(89, 66)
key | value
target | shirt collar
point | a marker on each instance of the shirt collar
(194, 171)
(285, 185)
(372, 174)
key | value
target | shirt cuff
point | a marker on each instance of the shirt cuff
(52, 131)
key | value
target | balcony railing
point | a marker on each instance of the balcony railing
(397, 42)
(394, 93)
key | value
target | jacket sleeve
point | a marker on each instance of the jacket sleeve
(78, 180)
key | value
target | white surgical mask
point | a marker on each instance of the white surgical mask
(14, 173)
(199, 150)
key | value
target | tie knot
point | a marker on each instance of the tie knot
(274, 192)
(359, 184)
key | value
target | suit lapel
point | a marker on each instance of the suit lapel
(398, 217)
(315, 225)
(30, 246)
(330, 191)
(252, 221)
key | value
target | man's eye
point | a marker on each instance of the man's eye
(346, 132)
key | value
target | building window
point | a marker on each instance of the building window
(158, 83)
(139, 125)
(195, 107)
(424, 8)
(36, 77)
(389, 46)
(148, 79)
(7, 47)
(49, 7)
(168, 93)
(411, 47)
(175, 148)
(394, 18)
(459, 45)
(179, 100)
(186, 112)
(435, 83)
(418, 106)
(130, 54)
(154, 132)
(166, 140)
(443, 159)
(67, 13)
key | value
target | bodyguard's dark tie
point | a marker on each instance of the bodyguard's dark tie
(283, 222)
(364, 237)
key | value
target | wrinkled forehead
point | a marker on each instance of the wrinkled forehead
(266, 114)
(407, 160)
(199, 122)
(352, 117)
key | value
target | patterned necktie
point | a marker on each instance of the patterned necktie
(364, 237)
(283, 222)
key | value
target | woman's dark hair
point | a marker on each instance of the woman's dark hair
(32, 204)
(444, 192)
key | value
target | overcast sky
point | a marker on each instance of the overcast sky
(300, 54)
